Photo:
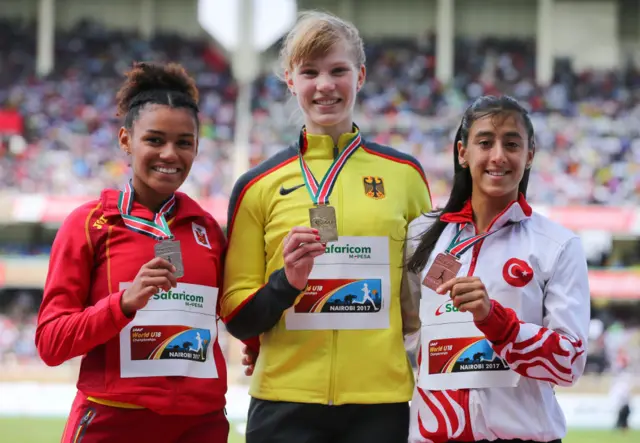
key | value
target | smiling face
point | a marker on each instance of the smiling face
(497, 154)
(326, 89)
(163, 144)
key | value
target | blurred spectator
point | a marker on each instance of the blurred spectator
(18, 329)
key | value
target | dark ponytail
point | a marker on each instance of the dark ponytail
(462, 183)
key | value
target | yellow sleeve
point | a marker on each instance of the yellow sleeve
(418, 193)
(245, 263)
(419, 202)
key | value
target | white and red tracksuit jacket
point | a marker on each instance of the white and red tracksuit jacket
(545, 344)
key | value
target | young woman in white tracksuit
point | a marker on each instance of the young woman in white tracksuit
(503, 294)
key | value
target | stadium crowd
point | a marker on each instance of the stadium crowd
(588, 145)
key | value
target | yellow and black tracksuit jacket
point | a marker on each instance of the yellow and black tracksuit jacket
(327, 366)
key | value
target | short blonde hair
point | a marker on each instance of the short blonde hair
(315, 34)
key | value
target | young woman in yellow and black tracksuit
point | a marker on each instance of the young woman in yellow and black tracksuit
(314, 262)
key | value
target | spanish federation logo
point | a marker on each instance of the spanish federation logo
(200, 234)
(373, 187)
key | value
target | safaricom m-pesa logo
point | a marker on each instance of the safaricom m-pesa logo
(446, 307)
(170, 295)
(351, 251)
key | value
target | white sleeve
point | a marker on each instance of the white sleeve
(410, 290)
(555, 351)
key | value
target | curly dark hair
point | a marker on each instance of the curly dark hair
(146, 83)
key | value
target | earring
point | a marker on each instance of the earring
(464, 164)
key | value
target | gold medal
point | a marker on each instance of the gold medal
(323, 218)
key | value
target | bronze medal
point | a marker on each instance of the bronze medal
(444, 268)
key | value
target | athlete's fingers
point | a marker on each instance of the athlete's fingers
(147, 274)
(462, 288)
(309, 258)
(296, 240)
(469, 297)
(148, 291)
(303, 250)
(159, 282)
(472, 306)
(246, 350)
(299, 230)
(446, 286)
(303, 230)
(159, 263)
(314, 253)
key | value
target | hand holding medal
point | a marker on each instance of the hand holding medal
(301, 246)
(158, 228)
(163, 271)
(469, 295)
(152, 276)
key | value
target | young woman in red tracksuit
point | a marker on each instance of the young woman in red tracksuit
(131, 288)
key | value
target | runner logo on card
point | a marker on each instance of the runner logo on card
(164, 342)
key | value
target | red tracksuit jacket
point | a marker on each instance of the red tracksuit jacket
(80, 313)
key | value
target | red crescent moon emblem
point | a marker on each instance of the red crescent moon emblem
(517, 272)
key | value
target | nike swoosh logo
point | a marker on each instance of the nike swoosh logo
(285, 191)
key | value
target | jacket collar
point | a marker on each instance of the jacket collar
(322, 146)
(185, 207)
(515, 212)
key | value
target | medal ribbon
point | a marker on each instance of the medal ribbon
(158, 228)
(458, 247)
(320, 192)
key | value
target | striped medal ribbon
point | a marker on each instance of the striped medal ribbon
(447, 264)
(322, 216)
(158, 228)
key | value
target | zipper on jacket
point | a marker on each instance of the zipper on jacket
(476, 248)
(332, 369)
(81, 429)
(334, 338)
(474, 257)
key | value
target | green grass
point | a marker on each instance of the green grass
(584, 436)
(36, 430)
(45, 430)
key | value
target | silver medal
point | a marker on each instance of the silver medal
(170, 251)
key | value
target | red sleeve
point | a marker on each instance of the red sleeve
(67, 327)
(555, 351)
(531, 350)
(253, 344)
